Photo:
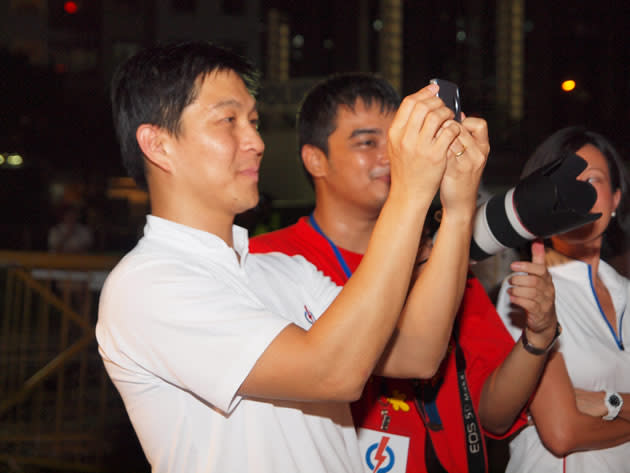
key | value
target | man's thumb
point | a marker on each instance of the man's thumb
(538, 252)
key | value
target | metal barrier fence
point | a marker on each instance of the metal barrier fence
(58, 409)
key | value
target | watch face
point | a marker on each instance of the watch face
(614, 400)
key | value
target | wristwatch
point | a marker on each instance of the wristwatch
(540, 351)
(614, 403)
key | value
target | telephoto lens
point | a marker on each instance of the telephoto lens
(547, 202)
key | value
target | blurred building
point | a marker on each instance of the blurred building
(87, 38)
(508, 56)
(61, 55)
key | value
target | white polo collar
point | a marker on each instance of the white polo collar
(579, 272)
(193, 240)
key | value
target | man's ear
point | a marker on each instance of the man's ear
(315, 161)
(153, 143)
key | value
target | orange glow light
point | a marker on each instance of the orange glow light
(568, 85)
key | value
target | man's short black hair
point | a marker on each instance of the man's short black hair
(156, 84)
(317, 114)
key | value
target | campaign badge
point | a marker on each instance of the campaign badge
(383, 452)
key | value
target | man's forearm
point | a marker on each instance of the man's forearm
(508, 388)
(427, 320)
(361, 320)
(350, 336)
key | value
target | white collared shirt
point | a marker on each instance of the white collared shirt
(593, 356)
(182, 321)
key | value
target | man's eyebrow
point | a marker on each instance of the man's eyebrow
(227, 103)
(365, 131)
(232, 103)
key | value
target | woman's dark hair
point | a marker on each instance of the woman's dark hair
(317, 113)
(571, 139)
(156, 84)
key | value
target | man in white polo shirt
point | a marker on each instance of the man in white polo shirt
(232, 362)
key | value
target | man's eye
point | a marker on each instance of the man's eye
(366, 143)
(255, 123)
(229, 119)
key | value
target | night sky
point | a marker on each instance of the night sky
(69, 132)
(587, 41)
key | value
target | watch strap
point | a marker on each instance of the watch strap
(614, 403)
(540, 351)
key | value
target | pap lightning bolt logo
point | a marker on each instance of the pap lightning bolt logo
(308, 315)
(382, 454)
(379, 457)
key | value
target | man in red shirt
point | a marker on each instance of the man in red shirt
(485, 379)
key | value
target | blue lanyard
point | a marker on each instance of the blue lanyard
(338, 255)
(618, 340)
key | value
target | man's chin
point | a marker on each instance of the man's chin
(378, 201)
(382, 191)
(253, 203)
(246, 203)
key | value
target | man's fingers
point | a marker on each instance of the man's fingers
(467, 142)
(407, 108)
(538, 252)
(477, 127)
(525, 267)
(447, 134)
(427, 120)
(524, 280)
(477, 151)
(425, 92)
(529, 292)
(526, 303)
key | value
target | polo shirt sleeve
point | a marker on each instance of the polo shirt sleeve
(201, 334)
(321, 287)
(485, 342)
(291, 283)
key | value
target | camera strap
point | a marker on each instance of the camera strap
(425, 402)
(426, 395)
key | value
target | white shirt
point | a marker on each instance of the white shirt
(182, 322)
(593, 356)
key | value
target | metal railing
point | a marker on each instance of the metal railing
(58, 409)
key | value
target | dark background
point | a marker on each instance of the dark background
(59, 118)
(55, 69)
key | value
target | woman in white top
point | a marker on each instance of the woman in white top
(581, 410)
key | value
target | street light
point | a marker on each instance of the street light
(568, 85)
(14, 160)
